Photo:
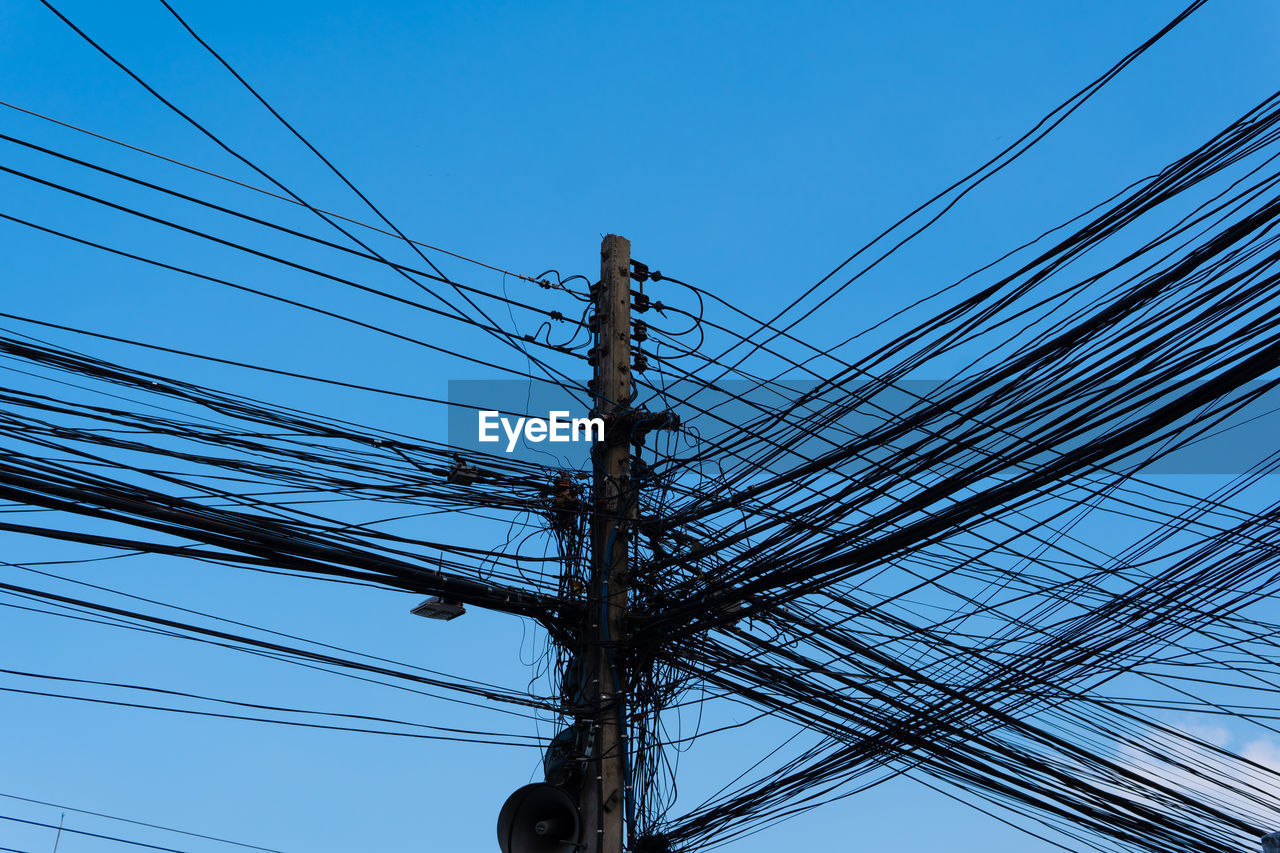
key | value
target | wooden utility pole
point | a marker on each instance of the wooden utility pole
(1271, 843)
(604, 793)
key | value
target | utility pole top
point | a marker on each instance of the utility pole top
(1271, 843)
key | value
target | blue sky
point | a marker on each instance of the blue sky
(745, 147)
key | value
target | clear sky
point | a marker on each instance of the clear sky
(747, 147)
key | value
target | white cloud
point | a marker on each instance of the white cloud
(1194, 767)
(1263, 751)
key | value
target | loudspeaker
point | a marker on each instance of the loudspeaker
(538, 818)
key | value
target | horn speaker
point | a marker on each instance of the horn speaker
(538, 818)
